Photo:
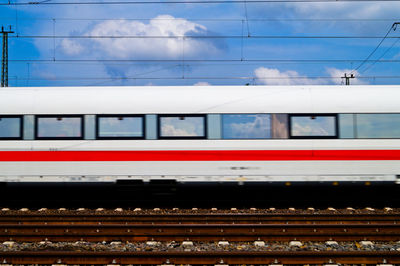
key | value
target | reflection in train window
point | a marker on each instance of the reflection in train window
(59, 127)
(246, 126)
(182, 126)
(313, 126)
(10, 127)
(279, 124)
(120, 126)
(377, 125)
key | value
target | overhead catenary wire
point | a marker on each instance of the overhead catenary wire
(247, 19)
(318, 61)
(379, 58)
(200, 78)
(9, 3)
(198, 37)
(211, 19)
(393, 27)
(141, 74)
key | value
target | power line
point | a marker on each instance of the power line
(201, 60)
(393, 27)
(198, 78)
(247, 19)
(30, 3)
(143, 73)
(197, 37)
(384, 53)
(216, 19)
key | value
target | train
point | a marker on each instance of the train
(270, 134)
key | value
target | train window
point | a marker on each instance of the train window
(59, 127)
(377, 125)
(120, 126)
(313, 126)
(182, 126)
(10, 127)
(246, 126)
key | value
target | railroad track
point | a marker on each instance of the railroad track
(214, 237)
(213, 258)
(76, 217)
(200, 232)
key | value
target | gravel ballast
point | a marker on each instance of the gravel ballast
(197, 246)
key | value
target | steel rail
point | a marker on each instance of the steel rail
(191, 221)
(199, 232)
(218, 257)
(217, 218)
(198, 218)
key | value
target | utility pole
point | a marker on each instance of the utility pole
(4, 58)
(348, 78)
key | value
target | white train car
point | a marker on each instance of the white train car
(200, 134)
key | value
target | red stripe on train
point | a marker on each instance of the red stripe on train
(200, 155)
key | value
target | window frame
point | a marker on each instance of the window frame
(204, 116)
(37, 117)
(21, 127)
(97, 126)
(336, 125)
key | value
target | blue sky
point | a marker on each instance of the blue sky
(218, 20)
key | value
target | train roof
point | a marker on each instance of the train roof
(200, 99)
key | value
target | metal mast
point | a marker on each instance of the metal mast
(351, 76)
(4, 58)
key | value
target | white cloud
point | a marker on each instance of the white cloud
(346, 10)
(304, 126)
(337, 11)
(190, 126)
(170, 130)
(70, 47)
(258, 128)
(308, 130)
(163, 25)
(273, 76)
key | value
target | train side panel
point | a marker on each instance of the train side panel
(201, 160)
